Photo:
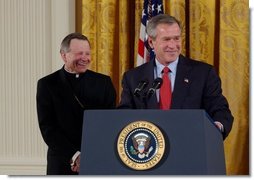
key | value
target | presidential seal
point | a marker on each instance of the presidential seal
(141, 145)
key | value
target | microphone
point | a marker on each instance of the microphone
(141, 86)
(156, 85)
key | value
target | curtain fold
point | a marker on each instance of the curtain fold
(234, 72)
(216, 32)
(201, 30)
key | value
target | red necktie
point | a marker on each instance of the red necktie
(165, 90)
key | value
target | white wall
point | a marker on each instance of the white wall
(30, 35)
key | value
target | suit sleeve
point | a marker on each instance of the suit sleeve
(110, 95)
(215, 103)
(126, 101)
(51, 133)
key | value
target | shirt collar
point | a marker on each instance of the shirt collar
(172, 66)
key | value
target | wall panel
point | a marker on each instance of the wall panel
(27, 50)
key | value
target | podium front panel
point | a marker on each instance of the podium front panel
(194, 146)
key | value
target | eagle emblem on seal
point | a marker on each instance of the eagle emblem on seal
(141, 145)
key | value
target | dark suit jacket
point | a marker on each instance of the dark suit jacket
(197, 86)
(61, 116)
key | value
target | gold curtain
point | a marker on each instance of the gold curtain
(216, 32)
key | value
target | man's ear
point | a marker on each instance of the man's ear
(63, 55)
(150, 42)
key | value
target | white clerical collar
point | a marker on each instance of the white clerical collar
(76, 75)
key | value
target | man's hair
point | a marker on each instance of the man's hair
(160, 19)
(65, 45)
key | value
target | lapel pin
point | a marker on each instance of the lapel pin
(186, 80)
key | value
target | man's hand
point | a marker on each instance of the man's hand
(219, 126)
(76, 164)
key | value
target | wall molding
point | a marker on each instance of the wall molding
(23, 166)
(31, 32)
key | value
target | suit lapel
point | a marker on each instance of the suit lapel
(152, 103)
(182, 83)
(148, 74)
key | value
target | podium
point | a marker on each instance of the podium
(193, 145)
